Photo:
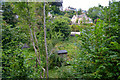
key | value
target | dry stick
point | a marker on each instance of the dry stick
(32, 39)
(45, 41)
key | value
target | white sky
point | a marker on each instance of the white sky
(84, 4)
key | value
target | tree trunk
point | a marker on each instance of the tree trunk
(45, 41)
(32, 40)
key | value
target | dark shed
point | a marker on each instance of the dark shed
(62, 53)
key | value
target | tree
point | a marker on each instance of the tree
(79, 11)
(99, 49)
(8, 14)
(45, 42)
(94, 13)
(12, 58)
(112, 19)
(28, 18)
(55, 8)
(69, 14)
(61, 24)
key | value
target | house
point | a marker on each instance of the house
(78, 19)
(84, 19)
(74, 19)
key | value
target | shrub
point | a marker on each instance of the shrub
(75, 28)
(60, 24)
(97, 59)
(55, 60)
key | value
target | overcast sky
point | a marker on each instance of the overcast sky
(84, 4)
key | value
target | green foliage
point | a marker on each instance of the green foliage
(65, 72)
(55, 60)
(98, 55)
(62, 72)
(96, 60)
(61, 24)
(8, 15)
(12, 59)
(54, 8)
(69, 14)
(112, 20)
(79, 11)
(93, 55)
(84, 20)
(30, 62)
(95, 13)
(77, 21)
(14, 38)
(75, 28)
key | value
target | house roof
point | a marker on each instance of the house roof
(70, 8)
